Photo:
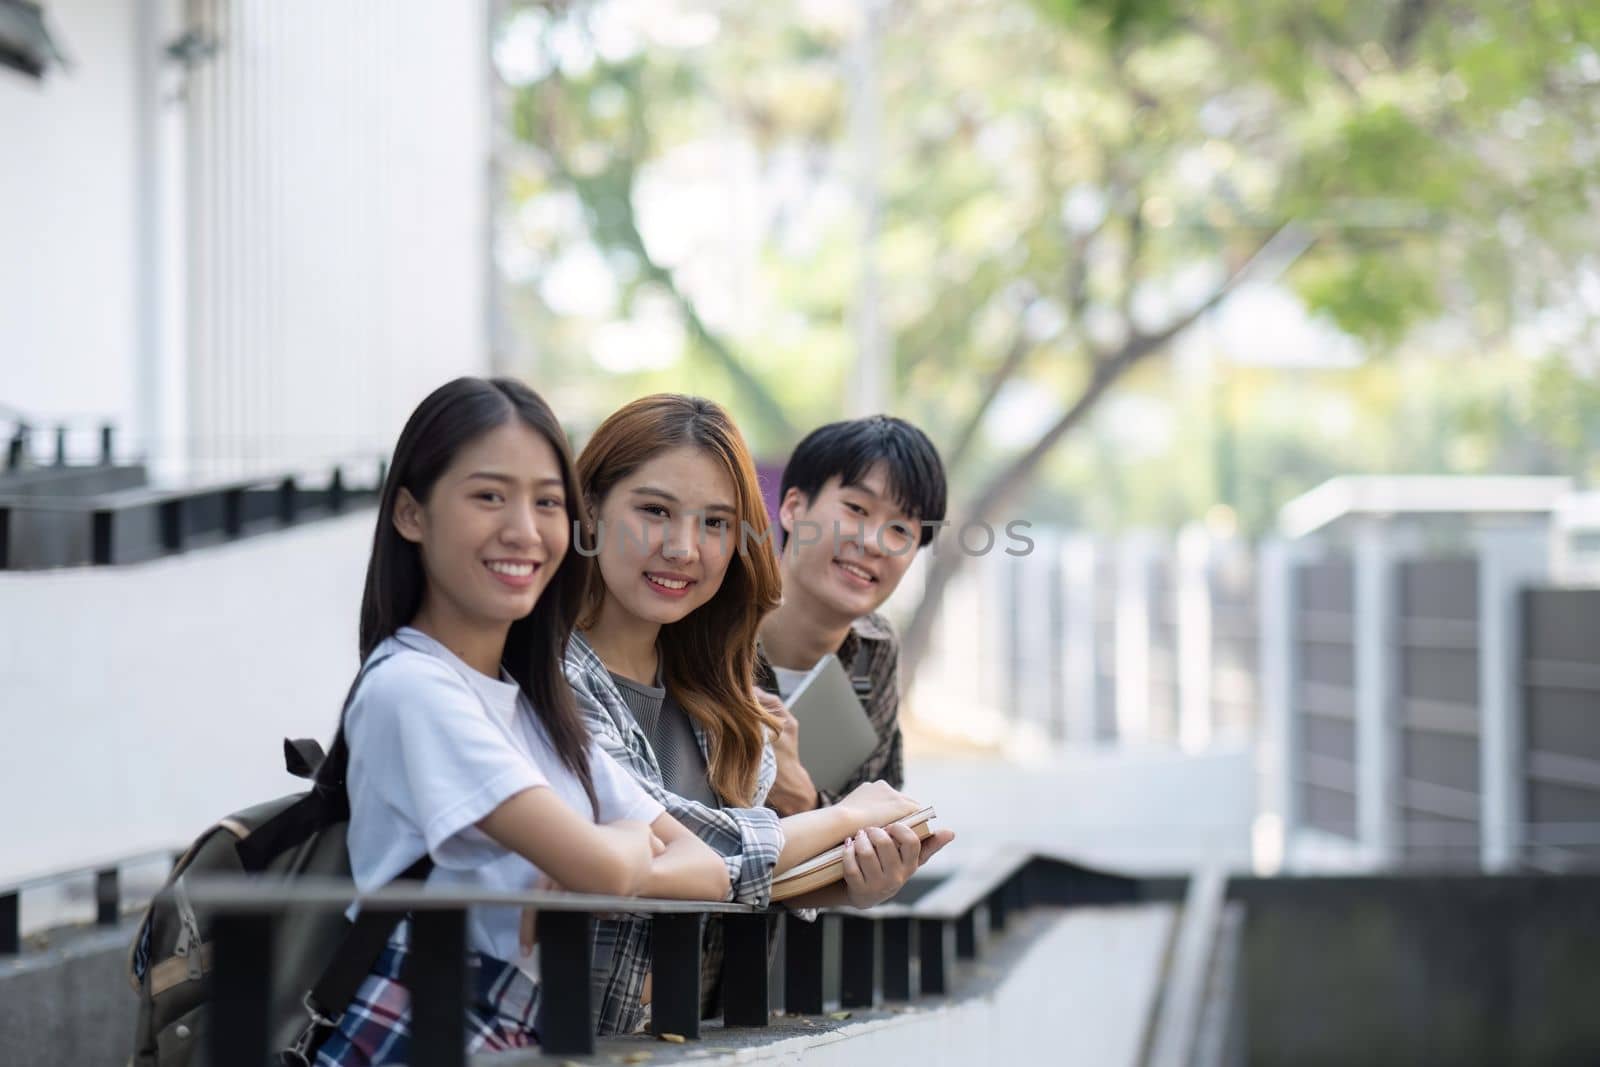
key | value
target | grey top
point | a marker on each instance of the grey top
(666, 724)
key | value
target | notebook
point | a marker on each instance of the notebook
(836, 737)
(828, 867)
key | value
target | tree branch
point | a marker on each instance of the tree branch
(1016, 354)
(624, 227)
(1271, 256)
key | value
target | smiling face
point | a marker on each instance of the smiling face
(666, 535)
(493, 530)
(849, 546)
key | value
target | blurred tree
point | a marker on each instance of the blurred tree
(1068, 187)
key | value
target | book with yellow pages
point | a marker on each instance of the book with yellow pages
(828, 867)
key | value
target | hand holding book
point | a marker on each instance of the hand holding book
(875, 861)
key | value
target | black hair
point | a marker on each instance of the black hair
(450, 418)
(850, 448)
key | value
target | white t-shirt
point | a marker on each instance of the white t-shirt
(434, 747)
(787, 679)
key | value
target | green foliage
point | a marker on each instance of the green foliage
(1055, 175)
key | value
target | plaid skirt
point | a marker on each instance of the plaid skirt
(376, 1027)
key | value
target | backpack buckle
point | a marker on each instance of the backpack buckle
(316, 1013)
(299, 1054)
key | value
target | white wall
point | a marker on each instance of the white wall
(266, 261)
(337, 196)
(140, 703)
(68, 220)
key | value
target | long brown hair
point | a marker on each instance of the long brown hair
(450, 418)
(708, 657)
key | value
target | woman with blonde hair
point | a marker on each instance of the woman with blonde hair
(663, 666)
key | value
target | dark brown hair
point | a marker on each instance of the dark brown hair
(453, 416)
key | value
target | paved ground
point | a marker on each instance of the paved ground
(1150, 810)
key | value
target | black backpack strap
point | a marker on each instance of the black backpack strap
(360, 948)
(331, 771)
(325, 803)
(302, 756)
(365, 938)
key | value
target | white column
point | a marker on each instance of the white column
(1134, 555)
(161, 379)
(1077, 652)
(872, 386)
(1193, 586)
(1277, 738)
(1033, 589)
(1375, 662)
(1508, 561)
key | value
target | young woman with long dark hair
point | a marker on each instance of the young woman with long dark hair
(464, 741)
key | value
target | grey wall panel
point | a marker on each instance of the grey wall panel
(1436, 711)
(1325, 695)
(1561, 727)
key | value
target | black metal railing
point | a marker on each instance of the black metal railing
(108, 893)
(913, 947)
(19, 429)
(131, 525)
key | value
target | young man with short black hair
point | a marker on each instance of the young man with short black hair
(859, 499)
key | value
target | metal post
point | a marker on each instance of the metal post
(744, 970)
(10, 925)
(1375, 670)
(1193, 590)
(437, 977)
(1133, 639)
(172, 524)
(936, 955)
(897, 958)
(61, 446)
(1078, 638)
(1277, 743)
(233, 512)
(566, 1021)
(1508, 561)
(858, 962)
(967, 934)
(288, 501)
(108, 441)
(102, 534)
(997, 910)
(802, 966)
(675, 967)
(107, 897)
(241, 988)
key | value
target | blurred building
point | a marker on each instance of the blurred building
(247, 234)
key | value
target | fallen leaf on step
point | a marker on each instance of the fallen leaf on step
(676, 1039)
(840, 1015)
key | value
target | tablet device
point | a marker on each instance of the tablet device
(836, 737)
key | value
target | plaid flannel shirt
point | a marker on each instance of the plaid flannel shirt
(870, 653)
(748, 839)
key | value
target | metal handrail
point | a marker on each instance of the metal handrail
(134, 525)
(933, 933)
(107, 892)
